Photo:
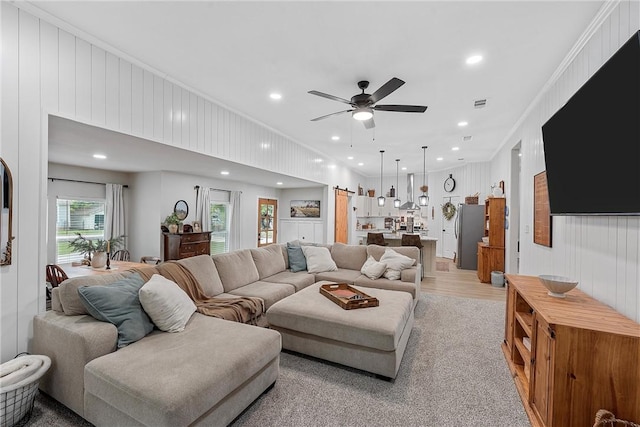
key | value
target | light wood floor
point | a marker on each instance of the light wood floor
(461, 283)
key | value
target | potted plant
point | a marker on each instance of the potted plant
(95, 250)
(172, 221)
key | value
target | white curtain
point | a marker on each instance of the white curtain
(235, 227)
(203, 201)
(114, 221)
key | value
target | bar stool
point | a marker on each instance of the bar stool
(376, 239)
(414, 240)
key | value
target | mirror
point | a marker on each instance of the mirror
(181, 209)
(6, 229)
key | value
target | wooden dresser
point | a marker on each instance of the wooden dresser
(570, 356)
(491, 255)
(185, 245)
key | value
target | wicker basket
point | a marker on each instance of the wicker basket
(16, 400)
(605, 418)
(471, 200)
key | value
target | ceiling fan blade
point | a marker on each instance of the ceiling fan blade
(386, 89)
(326, 95)
(329, 115)
(369, 124)
(402, 108)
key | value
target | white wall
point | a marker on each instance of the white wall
(48, 70)
(602, 252)
(146, 214)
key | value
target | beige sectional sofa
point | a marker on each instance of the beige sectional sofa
(208, 373)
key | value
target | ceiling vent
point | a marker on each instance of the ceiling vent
(467, 138)
(479, 103)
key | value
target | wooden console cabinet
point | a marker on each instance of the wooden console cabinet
(491, 254)
(571, 356)
(185, 245)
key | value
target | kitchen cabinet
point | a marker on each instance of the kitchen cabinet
(368, 207)
(491, 254)
(570, 357)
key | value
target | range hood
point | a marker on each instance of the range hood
(410, 205)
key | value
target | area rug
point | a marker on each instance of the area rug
(453, 374)
(442, 265)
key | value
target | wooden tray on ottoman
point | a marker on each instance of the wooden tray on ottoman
(347, 297)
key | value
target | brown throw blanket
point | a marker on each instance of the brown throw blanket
(240, 309)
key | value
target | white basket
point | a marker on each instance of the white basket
(16, 400)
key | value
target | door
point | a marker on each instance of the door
(267, 221)
(341, 217)
(449, 241)
(542, 377)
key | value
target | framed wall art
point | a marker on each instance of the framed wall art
(305, 209)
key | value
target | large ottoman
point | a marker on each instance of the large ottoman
(372, 339)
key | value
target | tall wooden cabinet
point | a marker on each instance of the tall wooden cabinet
(185, 245)
(571, 356)
(491, 254)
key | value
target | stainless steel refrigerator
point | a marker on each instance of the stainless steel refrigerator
(469, 229)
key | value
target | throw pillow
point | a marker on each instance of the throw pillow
(297, 261)
(318, 259)
(168, 306)
(395, 263)
(373, 269)
(119, 304)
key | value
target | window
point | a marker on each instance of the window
(219, 227)
(77, 216)
(267, 221)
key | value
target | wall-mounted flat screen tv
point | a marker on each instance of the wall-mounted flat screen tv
(592, 144)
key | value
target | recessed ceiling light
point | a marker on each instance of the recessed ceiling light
(275, 96)
(224, 172)
(317, 160)
(404, 168)
(455, 148)
(439, 159)
(350, 158)
(360, 164)
(462, 124)
(265, 145)
(99, 156)
(279, 183)
(519, 154)
(335, 138)
(331, 166)
(474, 59)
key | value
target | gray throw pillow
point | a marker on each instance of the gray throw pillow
(297, 261)
(119, 304)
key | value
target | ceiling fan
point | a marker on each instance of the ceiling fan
(363, 103)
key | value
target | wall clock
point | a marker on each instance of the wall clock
(449, 184)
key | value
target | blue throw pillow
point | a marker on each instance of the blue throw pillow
(297, 261)
(118, 303)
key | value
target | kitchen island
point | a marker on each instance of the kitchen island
(395, 239)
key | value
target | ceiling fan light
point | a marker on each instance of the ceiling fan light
(381, 201)
(362, 114)
(423, 200)
(396, 203)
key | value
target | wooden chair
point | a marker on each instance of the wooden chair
(121, 255)
(55, 276)
(376, 239)
(150, 260)
(413, 240)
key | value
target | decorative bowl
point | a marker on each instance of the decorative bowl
(485, 239)
(557, 285)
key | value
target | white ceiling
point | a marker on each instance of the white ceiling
(237, 53)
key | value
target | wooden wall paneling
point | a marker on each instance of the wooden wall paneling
(83, 80)
(219, 134)
(137, 100)
(49, 63)
(25, 175)
(176, 116)
(634, 16)
(125, 96)
(67, 73)
(158, 109)
(9, 134)
(167, 115)
(185, 118)
(624, 30)
(193, 122)
(148, 95)
(112, 88)
(631, 304)
(98, 85)
(207, 127)
(201, 124)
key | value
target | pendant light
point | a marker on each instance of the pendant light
(381, 199)
(424, 199)
(397, 202)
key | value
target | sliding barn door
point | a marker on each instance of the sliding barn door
(342, 203)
